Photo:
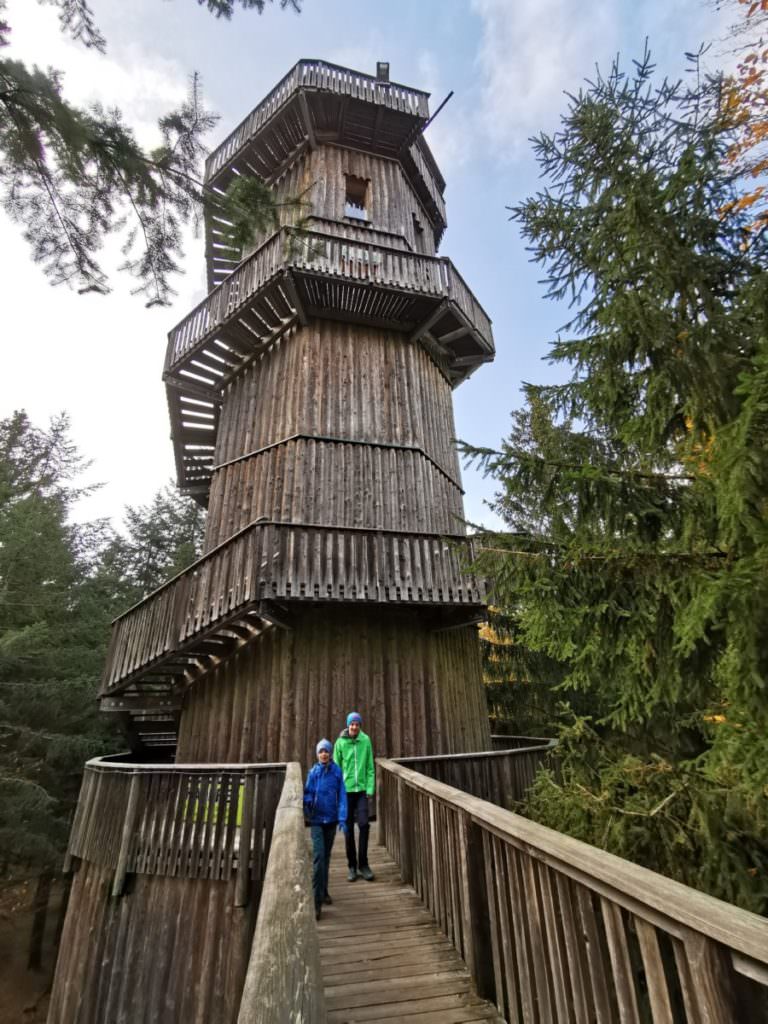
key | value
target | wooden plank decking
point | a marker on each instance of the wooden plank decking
(384, 958)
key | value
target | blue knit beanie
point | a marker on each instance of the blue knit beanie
(324, 745)
(354, 717)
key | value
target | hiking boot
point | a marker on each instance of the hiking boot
(327, 900)
(366, 873)
(318, 912)
(352, 875)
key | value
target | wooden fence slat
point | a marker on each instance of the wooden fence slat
(575, 959)
(656, 981)
(618, 950)
(490, 884)
(557, 956)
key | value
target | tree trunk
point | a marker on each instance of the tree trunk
(37, 935)
(66, 889)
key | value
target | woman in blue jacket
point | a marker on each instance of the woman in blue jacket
(325, 809)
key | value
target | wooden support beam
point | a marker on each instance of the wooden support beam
(194, 390)
(473, 620)
(460, 332)
(426, 326)
(243, 877)
(273, 613)
(307, 118)
(141, 702)
(129, 823)
(293, 293)
(342, 117)
(377, 125)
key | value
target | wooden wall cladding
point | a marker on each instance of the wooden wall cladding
(308, 481)
(343, 381)
(319, 176)
(170, 950)
(419, 691)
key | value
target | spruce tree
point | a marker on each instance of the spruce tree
(72, 176)
(636, 492)
(49, 657)
(61, 583)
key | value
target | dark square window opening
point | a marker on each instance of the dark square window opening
(356, 200)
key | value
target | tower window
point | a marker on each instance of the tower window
(355, 203)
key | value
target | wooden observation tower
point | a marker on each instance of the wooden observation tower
(310, 403)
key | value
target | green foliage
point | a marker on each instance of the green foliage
(73, 176)
(60, 585)
(76, 19)
(226, 8)
(158, 541)
(635, 494)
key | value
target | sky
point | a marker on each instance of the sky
(510, 64)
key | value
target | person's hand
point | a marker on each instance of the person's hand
(343, 827)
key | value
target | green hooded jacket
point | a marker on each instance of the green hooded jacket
(355, 758)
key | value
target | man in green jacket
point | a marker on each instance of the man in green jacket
(353, 753)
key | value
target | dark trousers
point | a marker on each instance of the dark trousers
(357, 811)
(322, 844)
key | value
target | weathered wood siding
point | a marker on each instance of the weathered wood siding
(171, 950)
(169, 864)
(418, 691)
(319, 177)
(330, 380)
(308, 481)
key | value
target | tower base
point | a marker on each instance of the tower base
(418, 689)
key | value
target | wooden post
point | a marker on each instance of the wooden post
(404, 829)
(129, 824)
(712, 987)
(243, 878)
(478, 950)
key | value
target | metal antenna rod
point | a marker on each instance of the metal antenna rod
(429, 122)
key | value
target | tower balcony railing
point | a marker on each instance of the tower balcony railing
(317, 75)
(196, 618)
(293, 276)
(211, 342)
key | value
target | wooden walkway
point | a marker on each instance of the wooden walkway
(384, 958)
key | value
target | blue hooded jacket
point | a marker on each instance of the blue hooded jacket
(325, 797)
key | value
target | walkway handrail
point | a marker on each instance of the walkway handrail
(553, 928)
(501, 776)
(180, 820)
(283, 983)
(502, 741)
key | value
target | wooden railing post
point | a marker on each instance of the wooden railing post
(129, 823)
(707, 983)
(243, 877)
(478, 950)
(404, 820)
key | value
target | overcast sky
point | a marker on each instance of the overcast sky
(509, 63)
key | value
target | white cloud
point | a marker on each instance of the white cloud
(447, 135)
(530, 53)
(100, 357)
(143, 84)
